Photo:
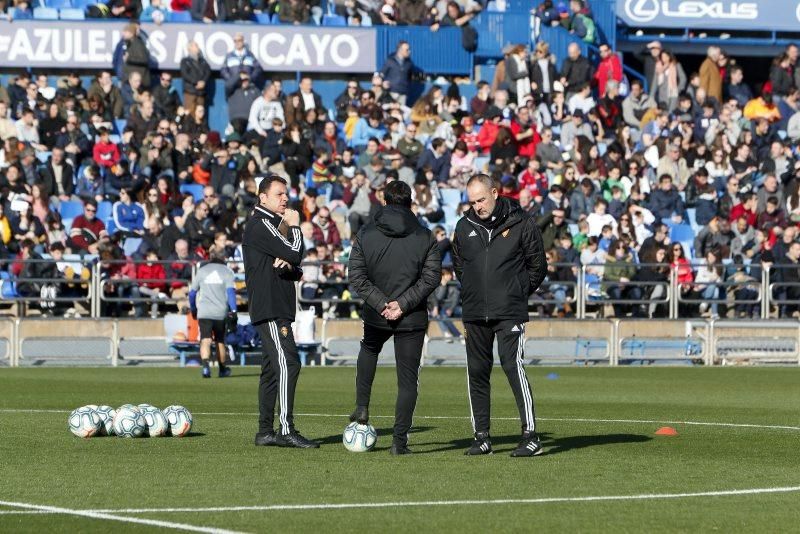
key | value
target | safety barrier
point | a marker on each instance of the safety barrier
(611, 342)
(754, 341)
(8, 340)
(72, 284)
(66, 341)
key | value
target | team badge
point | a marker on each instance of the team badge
(284, 331)
(506, 232)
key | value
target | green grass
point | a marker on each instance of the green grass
(43, 464)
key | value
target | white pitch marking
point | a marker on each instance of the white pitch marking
(456, 417)
(542, 500)
(93, 514)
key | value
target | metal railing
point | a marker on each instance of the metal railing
(769, 293)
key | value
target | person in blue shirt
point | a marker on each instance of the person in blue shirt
(128, 216)
(367, 128)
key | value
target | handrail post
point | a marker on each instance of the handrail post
(673, 281)
(766, 293)
(581, 293)
(94, 303)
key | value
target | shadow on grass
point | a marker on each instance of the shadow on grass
(504, 444)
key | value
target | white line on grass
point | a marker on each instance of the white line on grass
(457, 417)
(543, 500)
(94, 514)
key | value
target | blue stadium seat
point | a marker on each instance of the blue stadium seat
(70, 209)
(45, 13)
(334, 20)
(120, 124)
(104, 210)
(179, 16)
(43, 156)
(8, 289)
(682, 233)
(83, 4)
(71, 13)
(276, 19)
(19, 14)
(263, 18)
(451, 197)
(196, 190)
(58, 4)
(111, 227)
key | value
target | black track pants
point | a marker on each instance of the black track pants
(279, 372)
(408, 355)
(510, 341)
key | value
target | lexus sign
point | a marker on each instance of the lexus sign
(711, 14)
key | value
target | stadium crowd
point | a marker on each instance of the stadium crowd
(699, 174)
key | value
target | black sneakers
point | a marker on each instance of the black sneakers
(266, 439)
(296, 440)
(398, 449)
(481, 445)
(529, 445)
(360, 414)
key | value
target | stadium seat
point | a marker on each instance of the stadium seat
(71, 13)
(45, 13)
(19, 14)
(82, 4)
(111, 227)
(104, 210)
(276, 19)
(263, 18)
(451, 197)
(334, 20)
(70, 209)
(682, 233)
(8, 289)
(59, 4)
(179, 16)
(131, 245)
(43, 156)
(196, 190)
(120, 124)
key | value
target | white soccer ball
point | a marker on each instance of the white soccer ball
(129, 407)
(84, 422)
(179, 420)
(154, 419)
(129, 423)
(106, 415)
(359, 438)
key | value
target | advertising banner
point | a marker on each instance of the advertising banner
(90, 45)
(765, 15)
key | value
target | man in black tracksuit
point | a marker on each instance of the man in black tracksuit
(394, 266)
(273, 249)
(499, 259)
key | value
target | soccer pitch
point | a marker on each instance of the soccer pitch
(733, 466)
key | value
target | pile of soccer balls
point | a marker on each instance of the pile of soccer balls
(129, 421)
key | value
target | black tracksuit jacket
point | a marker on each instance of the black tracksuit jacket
(395, 258)
(271, 292)
(499, 263)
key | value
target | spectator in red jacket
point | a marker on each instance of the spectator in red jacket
(746, 208)
(523, 128)
(488, 133)
(106, 153)
(325, 230)
(609, 68)
(87, 230)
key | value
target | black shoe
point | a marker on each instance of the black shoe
(295, 439)
(266, 439)
(480, 445)
(398, 449)
(529, 445)
(360, 414)
(225, 372)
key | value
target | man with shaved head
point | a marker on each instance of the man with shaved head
(498, 256)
